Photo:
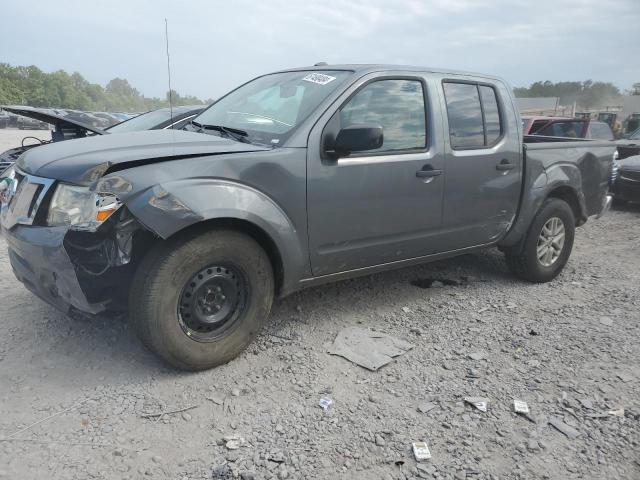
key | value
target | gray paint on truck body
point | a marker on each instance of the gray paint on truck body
(335, 218)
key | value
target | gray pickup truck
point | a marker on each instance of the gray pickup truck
(293, 179)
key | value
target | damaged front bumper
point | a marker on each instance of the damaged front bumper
(87, 270)
(40, 261)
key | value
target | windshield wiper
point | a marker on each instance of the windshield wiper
(235, 133)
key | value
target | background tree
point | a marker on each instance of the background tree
(31, 86)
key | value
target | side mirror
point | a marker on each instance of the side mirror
(358, 138)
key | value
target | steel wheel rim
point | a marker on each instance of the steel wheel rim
(550, 242)
(211, 301)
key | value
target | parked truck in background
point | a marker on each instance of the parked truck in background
(296, 178)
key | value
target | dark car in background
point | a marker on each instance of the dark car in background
(67, 126)
(629, 146)
(626, 185)
(567, 127)
(175, 118)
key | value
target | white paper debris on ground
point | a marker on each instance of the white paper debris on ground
(520, 406)
(421, 451)
(617, 413)
(368, 349)
(480, 403)
(325, 403)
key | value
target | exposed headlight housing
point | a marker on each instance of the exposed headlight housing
(80, 208)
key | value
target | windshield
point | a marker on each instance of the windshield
(146, 121)
(269, 108)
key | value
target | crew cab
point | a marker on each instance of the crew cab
(295, 178)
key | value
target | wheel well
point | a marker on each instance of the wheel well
(570, 196)
(248, 228)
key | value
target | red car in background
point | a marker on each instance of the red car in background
(566, 127)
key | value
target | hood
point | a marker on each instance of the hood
(84, 160)
(52, 118)
(630, 163)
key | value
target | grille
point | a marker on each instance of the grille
(4, 166)
(29, 193)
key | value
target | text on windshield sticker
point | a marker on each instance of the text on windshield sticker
(319, 78)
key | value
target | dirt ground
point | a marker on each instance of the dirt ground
(12, 137)
(569, 348)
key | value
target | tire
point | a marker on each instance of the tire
(526, 265)
(165, 278)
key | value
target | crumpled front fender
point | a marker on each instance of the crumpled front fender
(169, 207)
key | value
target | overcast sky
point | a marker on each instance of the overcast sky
(214, 45)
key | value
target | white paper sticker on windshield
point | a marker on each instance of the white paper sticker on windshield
(319, 78)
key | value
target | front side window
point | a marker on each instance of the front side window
(269, 108)
(397, 106)
(474, 115)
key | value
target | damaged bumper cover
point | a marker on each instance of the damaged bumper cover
(40, 261)
(65, 268)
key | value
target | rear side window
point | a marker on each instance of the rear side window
(474, 115)
(397, 105)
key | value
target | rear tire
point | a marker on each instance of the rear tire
(547, 245)
(223, 272)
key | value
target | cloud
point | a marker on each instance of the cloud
(215, 45)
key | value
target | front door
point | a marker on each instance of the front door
(382, 205)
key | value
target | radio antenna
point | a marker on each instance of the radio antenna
(166, 35)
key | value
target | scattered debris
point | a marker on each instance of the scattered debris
(406, 309)
(168, 412)
(217, 399)
(426, 407)
(625, 377)
(72, 407)
(435, 282)
(368, 349)
(520, 406)
(479, 402)
(325, 402)
(477, 356)
(617, 413)
(233, 444)
(606, 321)
(563, 428)
(421, 451)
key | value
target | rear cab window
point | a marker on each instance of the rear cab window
(474, 115)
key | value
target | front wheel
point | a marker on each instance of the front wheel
(200, 300)
(548, 243)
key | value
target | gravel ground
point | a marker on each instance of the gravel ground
(569, 348)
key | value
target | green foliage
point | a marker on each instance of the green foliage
(587, 94)
(31, 86)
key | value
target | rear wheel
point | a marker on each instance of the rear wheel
(200, 300)
(548, 243)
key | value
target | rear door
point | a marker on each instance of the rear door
(383, 205)
(483, 161)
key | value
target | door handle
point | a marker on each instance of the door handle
(428, 172)
(505, 165)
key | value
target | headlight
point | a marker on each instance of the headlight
(80, 208)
